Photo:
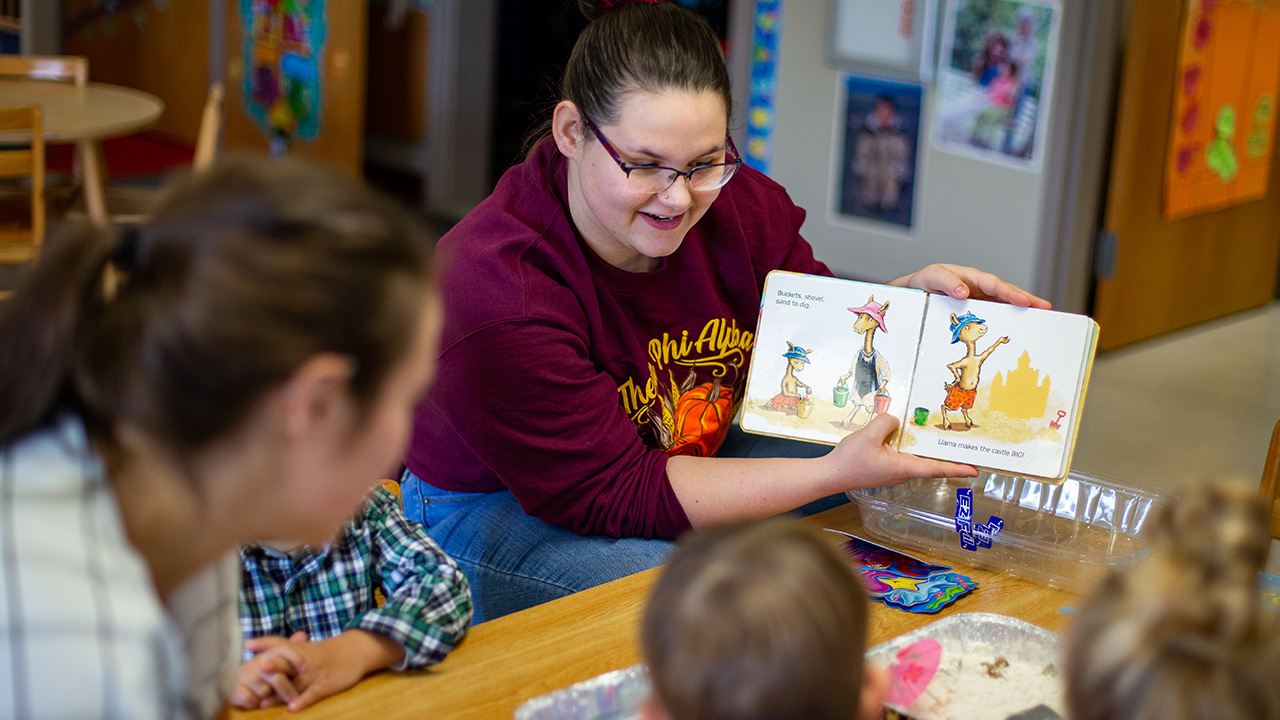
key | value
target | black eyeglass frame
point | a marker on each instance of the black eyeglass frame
(735, 160)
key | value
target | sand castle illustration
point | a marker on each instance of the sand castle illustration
(1023, 393)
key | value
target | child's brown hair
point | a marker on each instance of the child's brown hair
(757, 620)
(1182, 635)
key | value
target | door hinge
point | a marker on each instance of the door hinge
(1104, 254)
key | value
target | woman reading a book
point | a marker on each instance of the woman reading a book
(601, 314)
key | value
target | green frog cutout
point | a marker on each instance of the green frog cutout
(1220, 156)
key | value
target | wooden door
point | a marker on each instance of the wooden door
(1166, 275)
(339, 140)
(166, 54)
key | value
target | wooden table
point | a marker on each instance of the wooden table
(504, 662)
(85, 116)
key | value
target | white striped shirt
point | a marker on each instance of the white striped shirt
(83, 633)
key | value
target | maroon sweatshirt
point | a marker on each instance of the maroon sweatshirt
(568, 381)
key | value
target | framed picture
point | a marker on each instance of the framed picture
(995, 80)
(876, 176)
(884, 37)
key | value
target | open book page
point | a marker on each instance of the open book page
(828, 354)
(998, 386)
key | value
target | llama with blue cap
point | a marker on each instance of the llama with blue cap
(788, 401)
(961, 393)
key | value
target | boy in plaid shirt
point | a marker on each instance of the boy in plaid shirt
(311, 623)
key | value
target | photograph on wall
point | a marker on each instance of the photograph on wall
(876, 178)
(1223, 123)
(995, 80)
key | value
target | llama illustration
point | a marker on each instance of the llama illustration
(961, 393)
(869, 369)
(788, 401)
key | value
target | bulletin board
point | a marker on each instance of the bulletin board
(762, 101)
(1222, 132)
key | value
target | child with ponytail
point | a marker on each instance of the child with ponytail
(1182, 635)
(241, 366)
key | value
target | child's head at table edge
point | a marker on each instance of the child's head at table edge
(758, 620)
(1182, 635)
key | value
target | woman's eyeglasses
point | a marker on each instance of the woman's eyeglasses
(654, 179)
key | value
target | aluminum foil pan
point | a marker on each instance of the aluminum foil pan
(612, 696)
(975, 645)
(617, 695)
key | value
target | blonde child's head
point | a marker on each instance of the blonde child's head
(1182, 635)
(757, 620)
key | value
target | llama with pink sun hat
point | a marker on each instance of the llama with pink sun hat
(869, 369)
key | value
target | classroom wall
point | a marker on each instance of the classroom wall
(1009, 221)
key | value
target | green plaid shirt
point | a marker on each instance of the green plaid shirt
(329, 590)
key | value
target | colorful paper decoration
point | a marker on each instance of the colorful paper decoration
(903, 582)
(1223, 125)
(281, 90)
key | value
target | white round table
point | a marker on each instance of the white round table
(85, 116)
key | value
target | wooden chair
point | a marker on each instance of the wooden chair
(25, 164)
(210, 130)
(1270, 487)
(66, 68)
(133, 205)
(60, 188)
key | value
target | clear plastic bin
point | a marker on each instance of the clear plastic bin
(1065, 535)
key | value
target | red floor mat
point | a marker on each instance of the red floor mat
(129, 156)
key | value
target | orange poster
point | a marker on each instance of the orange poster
(1223, 125)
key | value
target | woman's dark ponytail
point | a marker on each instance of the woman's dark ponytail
(42, 322)
(243, 274)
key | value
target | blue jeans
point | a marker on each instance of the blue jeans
(514, 561)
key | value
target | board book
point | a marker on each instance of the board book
(970, 381)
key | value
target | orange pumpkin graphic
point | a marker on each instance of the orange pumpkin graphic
(701, 420)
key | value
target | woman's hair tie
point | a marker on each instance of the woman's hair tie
(126, 255)
(601, 7)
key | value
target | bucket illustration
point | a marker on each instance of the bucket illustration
(921, 416)
(804, 407)
(882, 403)
(840, 395)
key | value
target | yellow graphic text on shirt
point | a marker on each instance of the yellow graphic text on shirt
(694, 384)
